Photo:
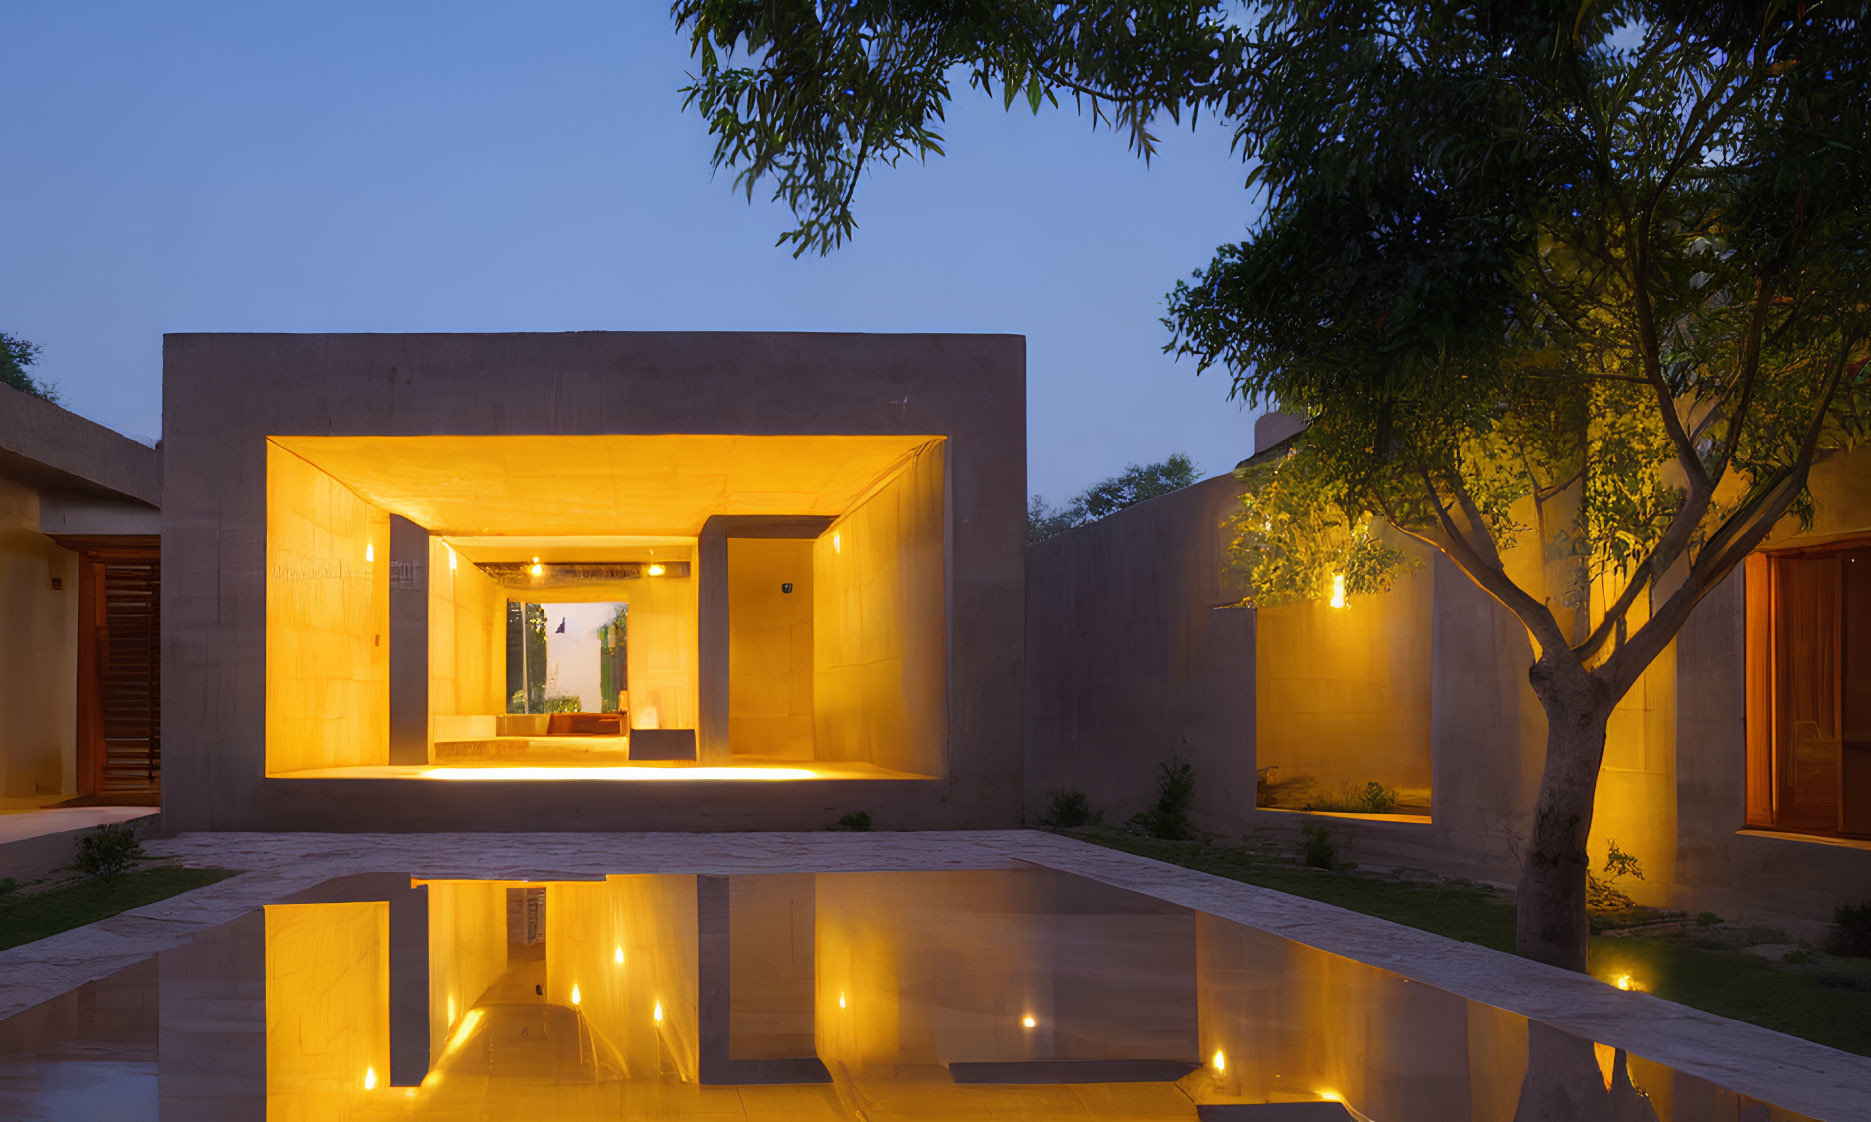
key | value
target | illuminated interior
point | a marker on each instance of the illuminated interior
(540, 608)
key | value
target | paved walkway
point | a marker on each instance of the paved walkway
(1791, 1073)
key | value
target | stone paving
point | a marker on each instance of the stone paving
(1791, 1073)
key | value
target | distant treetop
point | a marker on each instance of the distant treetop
(1131, 486)
(16, 354)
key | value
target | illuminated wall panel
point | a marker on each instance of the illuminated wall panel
(1344, 693)
(662, 657)
(327, 621)
(467, 637)
(770, 647)
(880, 624)
(327, 1008)
(467, 951)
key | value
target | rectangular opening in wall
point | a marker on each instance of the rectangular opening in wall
(537, 604)
(1343, 691)
(1809, 689)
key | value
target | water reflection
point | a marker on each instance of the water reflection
(1017, 993)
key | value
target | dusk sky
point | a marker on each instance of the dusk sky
(527, 167)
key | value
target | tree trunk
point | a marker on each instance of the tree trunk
(1549, 914)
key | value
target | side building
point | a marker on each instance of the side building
(1737, 771)
(80, 577)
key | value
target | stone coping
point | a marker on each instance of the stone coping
(1789, 1072)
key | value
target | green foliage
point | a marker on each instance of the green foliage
(1316, 848)
(1603, 894)
(7, 885)
(27, 916)
(1372, 798)
(1131, 486)
(1708, 919)
(827, 90)
(1068, 810)
(1851, 932)
(561, 705)
(109, 850)
(856, 820)
(1530, 270)
(16, 354)
(1168, 817)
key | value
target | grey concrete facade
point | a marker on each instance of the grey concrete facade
(1135, 658)
(224, 395)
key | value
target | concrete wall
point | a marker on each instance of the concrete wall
(1128, 654)
(880, 636)
(770, 647)
(467, 638)
(224, 395)
(327, 610)
(39, 648)
(1137, 654)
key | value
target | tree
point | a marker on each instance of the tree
(16, 354)
(1131, 486)
(1585, 279)
(1586, 282)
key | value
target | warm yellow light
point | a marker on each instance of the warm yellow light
(451, 557)
(574, 993)
(620, 774)
(1218, 1061)
(461, 1034)
(618, 956)
(537, 569)
(370, 1079)
(841, 1001)
(657, 1014)
(370, 552)
(1331, 1096)
(1338, 590)
(1028, 1021)
(451, 1008)
(837, 546)
(656, 570)
(1624, 982)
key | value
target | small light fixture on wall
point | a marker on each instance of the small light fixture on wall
(837, 544)
(370, 553)
(537, 570)
(655, 570)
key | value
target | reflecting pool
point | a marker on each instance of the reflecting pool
(1015, 993)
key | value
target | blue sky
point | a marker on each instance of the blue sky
(464, 166)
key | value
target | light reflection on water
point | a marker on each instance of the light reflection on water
(1017, 993)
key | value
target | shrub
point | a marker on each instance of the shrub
(1708, 919)
(1317, 848)
(109, 850)
(1604, 894)
(1379, 799)
(7, 884)
(856, 820)
(1175, 790)
(1851, 934)
(1068, 810)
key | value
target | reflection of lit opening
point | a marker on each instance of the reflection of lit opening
(618, 956)
(1028, 1021)
(467, 1028)
(1218, 1061)
(634, 774)
(370, 1079)
(1338, 590)
(574, 993)
(657, 1015)
(655, 570)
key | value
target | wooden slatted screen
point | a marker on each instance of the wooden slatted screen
(130, 674)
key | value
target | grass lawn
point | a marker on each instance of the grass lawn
(1826, 1000)
(26, 916)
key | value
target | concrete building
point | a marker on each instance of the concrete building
(79, 573)
(794, 563)
(1738, 770)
